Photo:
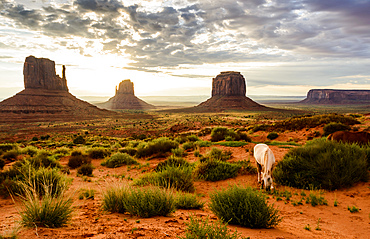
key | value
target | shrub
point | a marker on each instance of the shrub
(179, 178)
(62, 151)
(215, 170)
(86, 169)
(188, 201)
(246, 167)
(87, 194)
(199, 228)
(29, 150)
(11, 155)
(79, 140)
(192, 138)
(150, 202)
(44, 158)
(220, 133)
(244, 136)
(119, 159)
(188, 145)
(322, 164)
(98, 153)
(173, 162)
(128, 150)
(7, 147)
(178, 152)
(34, 138)
(272, 135)
(77, 159)
(334, 127)
(47, 211)
(114, 199)
(157, 146)
(218, 154)
(315, 199)
(245, 207)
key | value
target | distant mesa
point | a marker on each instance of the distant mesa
(329, 96)
(46, 96)
(125, 99)
(228, 93)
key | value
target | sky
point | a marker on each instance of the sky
(176, 47)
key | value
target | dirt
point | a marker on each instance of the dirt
(90, 221)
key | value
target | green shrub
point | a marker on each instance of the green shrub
(87, 194)
(86, 169)
(246, 167)
(128, 150)
(62, 151)
(189, 145)
(202, 229)
(215, 170)
(114, 199)
(218, 154)
(244, 136)
(46, 211)
(178, 152)
(11, 155)
(150, 202)
(315, 199)
(29, 150)
(245, 207)
(334, 127)
(173, 162)
(220, 133)
(44, 158)
(77, 159)
(231, 143)
(202, 143)
(157, 146)
(192, 138)
(34, 138)
(119, 159)
(272, 135)
(7, 147)
(188, 201)
(204, 132)
(79, 140)
(98, 153)
(179, 178)
(353, 209)
(322, 164)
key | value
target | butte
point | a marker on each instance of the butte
(125, 99)
(46, 97)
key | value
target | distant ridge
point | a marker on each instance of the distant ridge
(330, 96)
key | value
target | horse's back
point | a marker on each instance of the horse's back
(259, 152)
(350, 137)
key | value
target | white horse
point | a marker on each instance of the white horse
(265, 160)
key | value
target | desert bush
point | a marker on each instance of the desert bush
(272, 135)
(334, 127)
(79, 140)
(7, 147)
(220, 133)
(218, 154)
(202, 143)
(11, 155)
(216, 170)
(87, 194)
(178, 152)
(86, 169)
(244, 136)
(245, 207)
(119, 159)
(179, 178)
(204, 132)
(192, 138)
(77, 159)
(47, 211)
(202, 229)
(188, 201)
(114, 198)
(173, 162)
(44, 158)
(231, 143)
(260, 127)
(128, 150)
(150, 202)
(157, 146)
(246, 167)
(181, 139)
(322, 164)
(98, 153)
(189, 145)
(29, 150)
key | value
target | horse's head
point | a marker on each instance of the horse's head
(267, 180)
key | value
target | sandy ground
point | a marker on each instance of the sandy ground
(89, 221)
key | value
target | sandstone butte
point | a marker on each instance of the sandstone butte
(125, 99)
(46, 97)
(329, 96)
(229, 93)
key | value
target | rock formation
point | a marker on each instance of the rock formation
(329, 96)
(125, 99)
(46, 97)
(228, 92)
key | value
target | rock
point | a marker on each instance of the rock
(125, 99)
(46, 97)
(39, 73)
(329, 96)
(229, 83)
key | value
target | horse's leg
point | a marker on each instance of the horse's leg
(259, 169)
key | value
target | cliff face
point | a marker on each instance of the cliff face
(125, 99)
(228, 92)
(39, 73)
(329, 96)
(229, 83)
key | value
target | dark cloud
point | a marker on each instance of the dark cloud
(100, 6)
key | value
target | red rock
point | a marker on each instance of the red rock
(329, 96)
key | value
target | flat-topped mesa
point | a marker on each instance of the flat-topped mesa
(39, 73)
(125, 87)
(229, 83)
(330, 96)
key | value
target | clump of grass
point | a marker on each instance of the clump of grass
(199, 228)
(220, 133)
(142, 202)
(77, 159)
(86, 169)
(188, 201)
(119, 159)
(11, 155)
(178, 152)
(215, 170)
(353, 209)
(246, 167)
(29, 150)
(321, 163)
(179, 178)
(317, 228)
(47, 211)
(189, 146)
(129, 150)
(173, 162)
(245, 207)
(307, 227)
(218, 154)
(87, 194)
(98, 153)
(158, 146)
(316, 199)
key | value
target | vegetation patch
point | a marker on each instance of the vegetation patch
(119, 159)
(188, 201)
(334, 127)
(216, 170)
(158, 146)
